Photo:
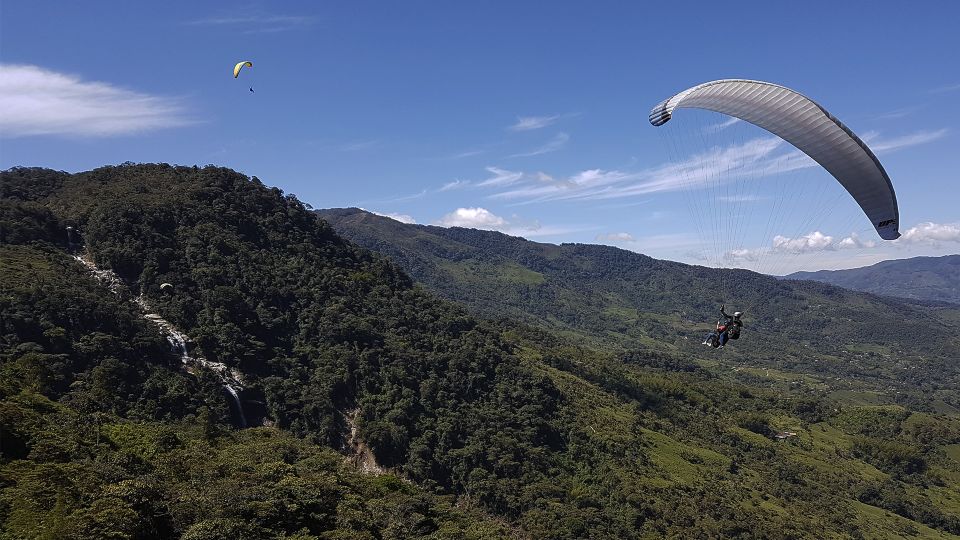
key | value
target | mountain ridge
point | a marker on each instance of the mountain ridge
(918, 278)
(616, 298)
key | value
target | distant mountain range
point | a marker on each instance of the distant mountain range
(917, 278)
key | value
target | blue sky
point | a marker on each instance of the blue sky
(459, 114)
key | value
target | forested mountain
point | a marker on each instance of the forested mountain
(482, 427)
(919, 278)
(613, 297)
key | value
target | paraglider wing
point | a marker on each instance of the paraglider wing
(807, 126)
(164, 286)
(239, 66)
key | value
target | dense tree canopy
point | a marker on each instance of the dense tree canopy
(487, 428)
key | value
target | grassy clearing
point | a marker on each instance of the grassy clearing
(859, 397)
(877, 523)
(473, 272)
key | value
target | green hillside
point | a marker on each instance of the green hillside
(920, 278)
(480, 427)
(818, 337)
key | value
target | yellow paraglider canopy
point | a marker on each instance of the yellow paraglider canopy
(236, 68)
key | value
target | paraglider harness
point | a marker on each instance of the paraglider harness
(729, 325)
(715, 337)
(733, 329)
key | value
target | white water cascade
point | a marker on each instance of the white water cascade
(236, 401)
(179, 342)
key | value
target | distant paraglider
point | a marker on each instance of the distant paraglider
(166, 287)
(239, 66)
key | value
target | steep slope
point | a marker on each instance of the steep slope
(919, 278)
(315, 325)
(615, 297)
(497, 428)
(103, 434)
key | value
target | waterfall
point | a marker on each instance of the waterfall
(178, 342)
(104, 277)
(236, 401)
(179, 346)
(231, 379)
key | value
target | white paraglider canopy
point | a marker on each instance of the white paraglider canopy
(807, 126)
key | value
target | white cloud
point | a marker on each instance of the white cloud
(722, 125)
(250, 21)
(895, 114)
(925, 239)
(945, 88)
(817, 241)
(402, 198)
(819, 251)
(456, 184)
(753, 159)
(741, 255)
(854, 241)
(931, 233)
(481, 218)
(750, 159)
(37, 101)
(466, 154)
(402, 218)
(474, 218)
(544, 177)
(527, 123)
(557, 142)
(500, 177)
(879, 145)
(616, 237)
(593, 183)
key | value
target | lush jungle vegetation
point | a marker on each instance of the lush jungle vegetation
(486, 426)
